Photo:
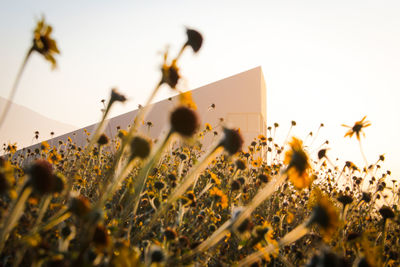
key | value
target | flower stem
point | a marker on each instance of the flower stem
(289, 238)
(14, 88)
(13, 217)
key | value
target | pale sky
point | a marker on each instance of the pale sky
(328, 62)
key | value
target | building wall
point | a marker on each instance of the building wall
(240, 100)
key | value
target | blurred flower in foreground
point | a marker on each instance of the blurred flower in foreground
(357, 128)
(298, 164)
(325, 215)
(43, 43)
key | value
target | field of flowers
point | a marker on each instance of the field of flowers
(133, 201)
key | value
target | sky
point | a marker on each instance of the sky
(329, 62)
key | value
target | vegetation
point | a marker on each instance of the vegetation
(131, 201)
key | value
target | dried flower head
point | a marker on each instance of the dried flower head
(170, 74)
(140, 147)
(43, 43)
(41, 176)
(80, 206)
(116, 96)
(184, 121)
(232, 141)
(195, 39)
(103, 140)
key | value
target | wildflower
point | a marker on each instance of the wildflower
(345, 199)
(101, 237)
(322, 153)
(221, 198)
(263, 178)
(184, 121)
(186, 100)
(170, 74)
(240, 164)
(233, 141)
(208, 127)
(324, 214)
(156, 254)
(116, 96)
(170, 234)
(140, 147)
(195, 39)
(43, 43)
(103, 140)
(12, 148)
(80, 206)
(44, 146)
(357, 128)
(386, 212)
(41, 176)
(298, 164)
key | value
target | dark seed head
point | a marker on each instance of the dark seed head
(232, 141)
(184, 121)
(101, 237)
(386, 212)
(156, 254)
(140, 147)
(80, 206)
(195, 39)
(103, 140)
(41, 177)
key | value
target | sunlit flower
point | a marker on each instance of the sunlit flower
(357, 128)
(325, 215)
(208, 127)
(186, 99)
(298, 166)
(221, 198)
(43, 43)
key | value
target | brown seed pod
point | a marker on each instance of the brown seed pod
(184, 121)
(232, 141)
(195, 39)
(140, 147)
(80, 206)
(41, 177)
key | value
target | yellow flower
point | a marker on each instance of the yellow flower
(299, 168)
(215, 178)
(43, 43)
(324, 215)
(186, 100)
(256, 163)
(222, 199)
(357, 128)
(12, 148)
(208, 127)
(45, 146)
(54, 157)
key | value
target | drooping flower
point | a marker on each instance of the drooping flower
(298, 166)
(43, 43)
(357, 128)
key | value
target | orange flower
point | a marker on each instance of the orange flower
(357, 128)
(298, 169)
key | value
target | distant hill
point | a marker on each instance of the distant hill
(22, 122)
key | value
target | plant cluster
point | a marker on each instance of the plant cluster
(132, 201)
